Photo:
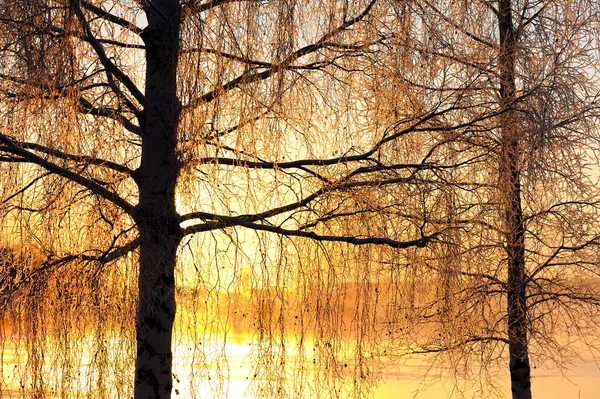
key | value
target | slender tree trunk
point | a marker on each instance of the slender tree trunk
(156, 215)
(510, 186)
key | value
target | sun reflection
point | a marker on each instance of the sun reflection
(238, 371)
(404, 381)
(195, 374)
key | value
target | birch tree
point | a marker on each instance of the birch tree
(520, 254)
(129, 127)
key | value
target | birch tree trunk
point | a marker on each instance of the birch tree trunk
(156, 215)
(510, 192)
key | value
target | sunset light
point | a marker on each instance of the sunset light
(284, 199)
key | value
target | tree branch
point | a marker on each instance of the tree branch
(12, 147)
(106, 62)
(78, 158)
(111, 17)
(222, 222)
(253, 76)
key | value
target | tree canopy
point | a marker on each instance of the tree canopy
(363, 179)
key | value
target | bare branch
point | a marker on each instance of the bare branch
(78, 158)
(112, 18)
(105, 61)
(12, 147)
(253, 76)
(221, 222)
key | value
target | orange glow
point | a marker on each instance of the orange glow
(404, 381)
